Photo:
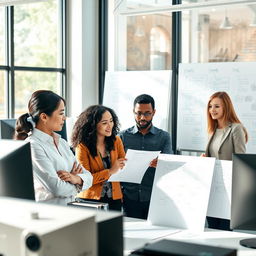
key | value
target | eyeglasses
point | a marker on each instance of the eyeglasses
(146, 114)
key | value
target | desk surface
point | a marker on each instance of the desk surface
(219, 238)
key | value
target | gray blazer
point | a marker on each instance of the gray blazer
(233, 142)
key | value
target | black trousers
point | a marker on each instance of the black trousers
(135, 209)
(115, 205)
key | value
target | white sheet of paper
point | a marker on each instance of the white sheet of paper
(146, 230)
(181, 191)
(135, 167)
(220, 197)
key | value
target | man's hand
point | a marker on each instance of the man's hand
(153, 163)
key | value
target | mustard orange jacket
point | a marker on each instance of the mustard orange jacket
(96, 167)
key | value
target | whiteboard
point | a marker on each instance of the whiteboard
(122, 87)
(197, 82)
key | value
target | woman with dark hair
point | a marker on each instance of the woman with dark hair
(101, 152)
(57, 176)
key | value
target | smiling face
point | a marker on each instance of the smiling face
(105, 125)
(54, 122)
(216, 109)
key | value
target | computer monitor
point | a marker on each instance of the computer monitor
(63, 132)
(16, 173)
(243, 199)
(7, 128)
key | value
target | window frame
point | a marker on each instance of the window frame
(10, 68)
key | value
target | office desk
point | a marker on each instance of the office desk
(208, 237)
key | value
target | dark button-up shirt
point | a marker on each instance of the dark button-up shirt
(155, 140)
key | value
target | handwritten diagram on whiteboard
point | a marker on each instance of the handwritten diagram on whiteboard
(122, 87)
(197, 82)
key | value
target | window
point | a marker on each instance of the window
(2, 35)
(35, 52)
(160, 48)
(148, 42)
(219, 34)
(2, 94)
(27, 82)
(143, 41)
(34, 46)
(2, 62)
(211, 32)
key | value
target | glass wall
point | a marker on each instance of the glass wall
(219, 34)
(210, 33)
(148, 42)
(143, 42)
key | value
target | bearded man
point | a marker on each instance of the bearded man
(143, 136)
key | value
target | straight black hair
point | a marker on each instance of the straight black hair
(41, 101)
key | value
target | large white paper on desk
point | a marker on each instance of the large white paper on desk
(220, 197)
(146, 230)
(181, 191)
(135, 167)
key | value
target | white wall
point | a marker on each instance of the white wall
(82, 63)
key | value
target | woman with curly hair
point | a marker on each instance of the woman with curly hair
(100, 151)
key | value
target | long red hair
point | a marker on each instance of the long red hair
(229, 114)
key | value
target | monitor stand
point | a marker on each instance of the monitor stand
(251, 243)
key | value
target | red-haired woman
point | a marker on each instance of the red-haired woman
(227, 135)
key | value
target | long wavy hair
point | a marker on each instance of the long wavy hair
(85, 129)
(229, 114)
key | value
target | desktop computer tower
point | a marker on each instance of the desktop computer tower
(109, 227)
(28, 228)
(110, 233)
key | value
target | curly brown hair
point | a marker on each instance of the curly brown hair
(85, 129)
